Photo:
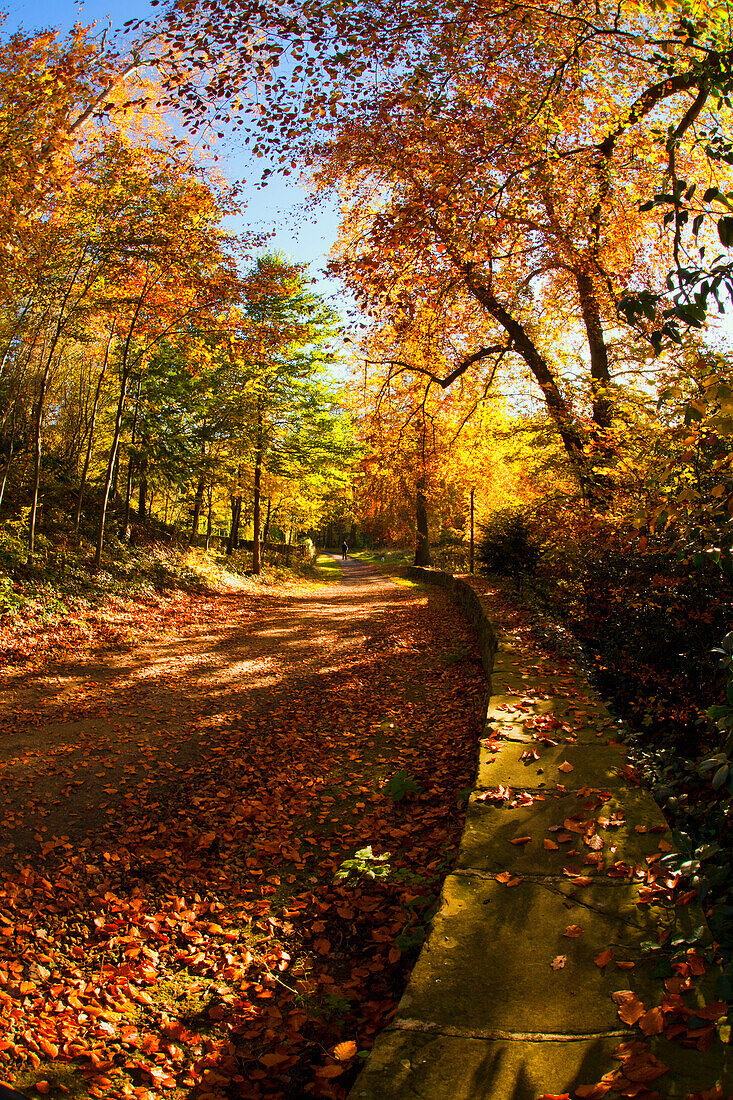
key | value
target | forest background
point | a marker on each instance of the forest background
(535, 256)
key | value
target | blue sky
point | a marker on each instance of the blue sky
(277, 207)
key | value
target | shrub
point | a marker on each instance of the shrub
(507, 546)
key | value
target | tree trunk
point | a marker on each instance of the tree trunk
(233, 539)
(557, 407)
(111, 467)
(208, 520)
(128, 493)
(9, 459)
(37, 421)
(599, 371)
(143, 491)
(131, 462)
(198, 501)
(266, 529)
(422, 538)
(90, 442)
(256, 568)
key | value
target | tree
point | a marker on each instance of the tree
(502, 154)
(171, 264)
(280, 343)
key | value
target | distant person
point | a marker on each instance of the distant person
(344, 549)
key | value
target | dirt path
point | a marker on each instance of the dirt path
(175, 816)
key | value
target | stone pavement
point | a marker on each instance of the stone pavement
(566, 959)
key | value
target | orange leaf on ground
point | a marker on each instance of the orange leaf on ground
(652, 1022)
(343, 1051)
(558, 963)
(521, 840)
(566, 766)
(550, 845)
(330, 1071)
(506, 878)
(272, 1060)
(603, 958)
(572, 931)
(643, 1069)
(631, 1011)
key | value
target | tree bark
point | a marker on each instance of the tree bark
(599, 371)
(90, 440)
(256, 512)
(143, 489)
(9, 459)
(266, 529)
(198, 501)
(208, 520)
(111, 466)
(233, 539)
(422, 537)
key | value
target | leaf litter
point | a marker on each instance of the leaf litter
(171, 920)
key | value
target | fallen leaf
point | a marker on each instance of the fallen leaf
(572, 931)
(558, 963)
(603, 958)
(343, 1051)
(330, 1071)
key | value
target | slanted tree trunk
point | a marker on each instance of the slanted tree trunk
(111, 466)
(599, 370)
(422, 537)
(90, 440)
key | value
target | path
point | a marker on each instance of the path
(175, 816)
(568, 957)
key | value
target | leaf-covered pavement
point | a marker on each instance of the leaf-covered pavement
(197, 896)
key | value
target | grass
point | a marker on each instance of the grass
(384, 557)
(328, 569)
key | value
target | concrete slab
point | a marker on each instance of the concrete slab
(593, 765)
(580, 826)
(488, 963)
(408, 1065)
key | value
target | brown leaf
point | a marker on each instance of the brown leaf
(573, 931)
(630, 1007)
(521, 840)
(330, 1071)
(603, 958)
(558, 963)
(566, 767)
(652, 1022)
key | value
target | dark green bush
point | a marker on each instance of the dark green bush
(507, 546)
